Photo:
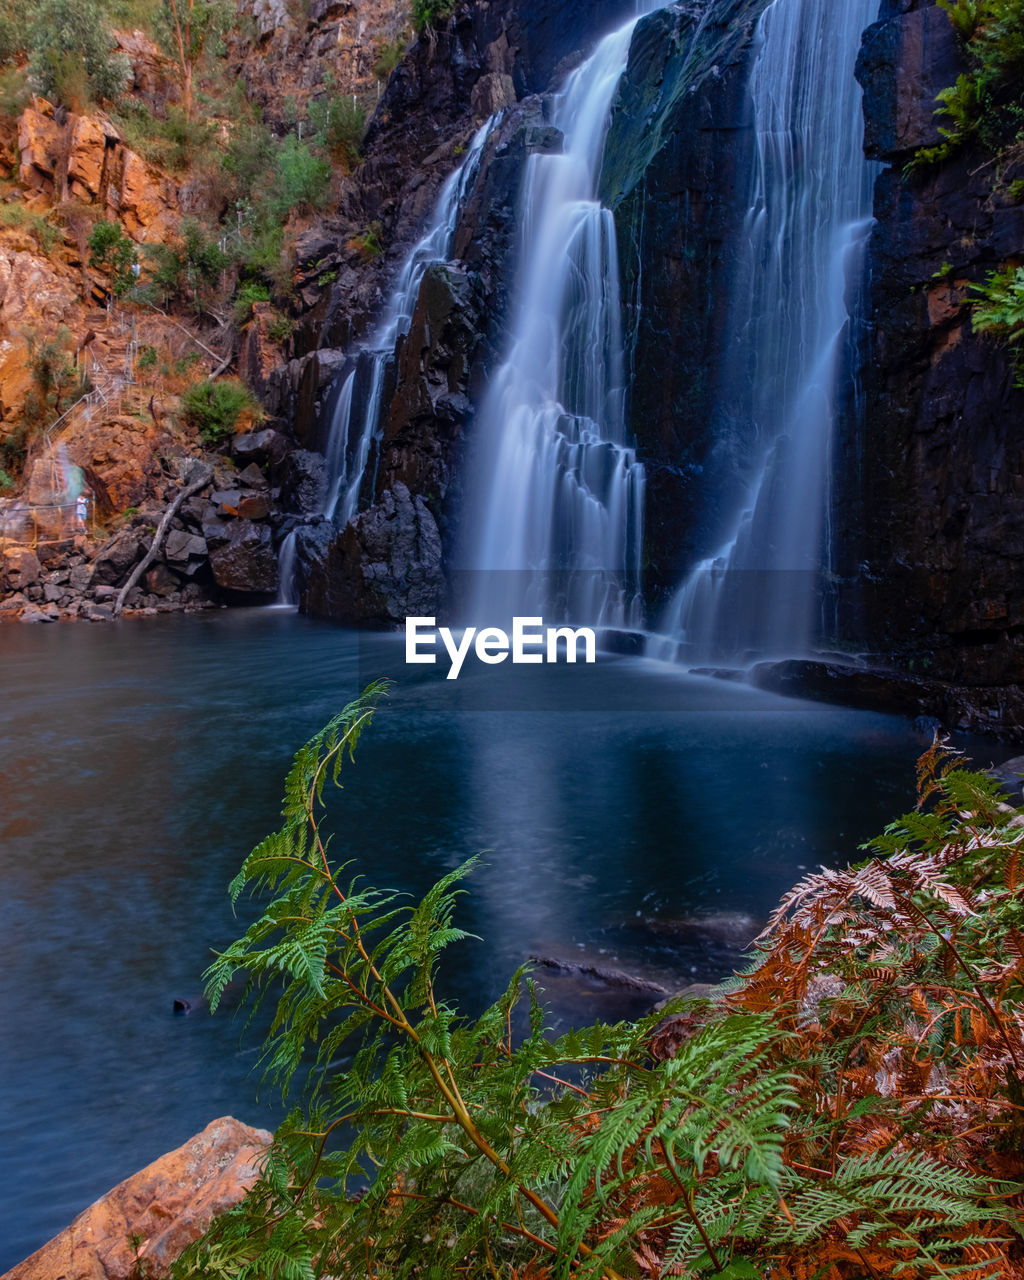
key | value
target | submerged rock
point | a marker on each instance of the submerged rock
(168, 1204)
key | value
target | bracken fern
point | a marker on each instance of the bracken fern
(851, 1107)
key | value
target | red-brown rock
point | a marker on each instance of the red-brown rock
(169, 1204)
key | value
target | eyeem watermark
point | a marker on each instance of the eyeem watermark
(531, 641)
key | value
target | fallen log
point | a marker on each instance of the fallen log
(201, 477)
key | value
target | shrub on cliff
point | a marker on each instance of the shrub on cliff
(852, 1107)
(427, 12)
(68, 37)
(985, 105)
(214, 409)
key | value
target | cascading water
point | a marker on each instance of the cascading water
(793, 298)
(557, 492)
(356, 416)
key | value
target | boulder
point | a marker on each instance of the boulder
(12, 605)
(169, 1204)
(21, 568)
(161, 581)
(263, 447)
(384, 567)
(254, 506)
(245, 560)
(33, 614)
(180, 547)
(116, 559)
(303, 482)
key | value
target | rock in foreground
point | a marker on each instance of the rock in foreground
(169, 1204)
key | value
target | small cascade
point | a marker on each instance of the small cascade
(355, 420)
(794, 298)
(556, 493)
(355, 417)
(287, 594)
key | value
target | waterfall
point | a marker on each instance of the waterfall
(358, 391)
(554, 520)
(794, 295)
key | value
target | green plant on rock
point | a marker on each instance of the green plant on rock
(427, 13)
(70, 53)
(339, 123)
(301, 177)
(985, 105)
(113, 251)
(16, 214)
(280, 327)
(190, 271)
(215, 408)
(999, 309)
(249, 292)
(389, 55)
(14, 93)
(56, 381)
(369, 245)
(789, 1130)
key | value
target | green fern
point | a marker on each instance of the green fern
(430, 1145)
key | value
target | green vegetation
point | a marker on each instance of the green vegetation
(17, 215)
(369, 245)
(249, 291)
(188, 30)
(174, 141)
(999, 309)
(14, 92)
(301, 177)
(426, 13)
(56, 380)
(113, 251)
(852, 1107)
(70, 52)
(985, 106)
(189, 272)
(214, 408)
(339, 124)
(389, 55)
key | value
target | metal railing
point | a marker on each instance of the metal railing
(34, 524)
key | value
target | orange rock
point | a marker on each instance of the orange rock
(169, 1204)
(40, 142)
(142, 198)
(32, 294)
(118, 455)
(87, 149)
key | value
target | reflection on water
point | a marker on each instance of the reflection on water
(141, 761)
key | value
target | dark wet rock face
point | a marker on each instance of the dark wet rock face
(906, 60)
(677, 174)
(431, 387)
(930, 468)
(385, 567)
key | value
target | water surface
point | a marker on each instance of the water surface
(141, 761)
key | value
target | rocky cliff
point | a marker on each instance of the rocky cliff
(677, 173)
(487, 58)
(930, 463)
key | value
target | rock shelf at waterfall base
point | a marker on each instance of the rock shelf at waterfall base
(949, 707)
